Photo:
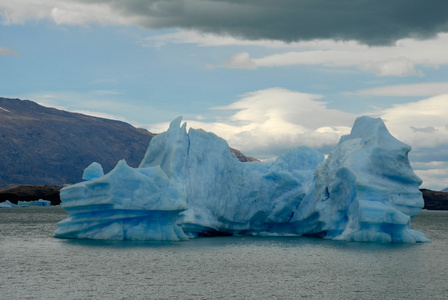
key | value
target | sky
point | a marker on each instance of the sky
(267, 76)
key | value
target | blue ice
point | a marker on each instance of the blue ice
(189, 184)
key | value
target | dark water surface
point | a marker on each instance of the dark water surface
(34, 265)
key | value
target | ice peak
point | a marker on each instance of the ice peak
(175, 124)
(94, 170)
(191, 185)
(370, 128)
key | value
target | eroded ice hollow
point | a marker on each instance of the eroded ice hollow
(190, 185)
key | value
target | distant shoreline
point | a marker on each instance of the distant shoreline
(434, 200)
(16, 193)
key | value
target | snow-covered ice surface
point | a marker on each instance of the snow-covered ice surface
(190, 185)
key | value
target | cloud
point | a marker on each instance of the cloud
(427, 129)
(413, 121)
(241, 61)
(65, 12)
(8, 52)
(91, 103)
(399, 66)
(99, 103)
(371, 22)
(399, 59)
(266, 123)
(106, 92)
(405, 90)
(269, 122)
(434, 174)
(423, 125)
(79, 15)
(210, 40)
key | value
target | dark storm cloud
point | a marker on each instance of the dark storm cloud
(373, 22)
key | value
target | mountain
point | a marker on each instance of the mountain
(41, 145)
(44, 148)
(435, 200)
(47, 146)
(241, 157)
(31, 193)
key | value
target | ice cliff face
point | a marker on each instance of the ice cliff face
(190, 184)
(366, 190)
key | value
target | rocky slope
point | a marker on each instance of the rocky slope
(31, 193)
(241, 157)
(41, 145)
(435, 200)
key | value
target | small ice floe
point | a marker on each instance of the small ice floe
(7, 204)
(39, 202)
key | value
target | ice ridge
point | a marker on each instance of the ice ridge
(189, 184)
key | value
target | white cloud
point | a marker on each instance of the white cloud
(404, 58)
(421, 124)
(241, 61)
(427, 129)
(406, 90)
(63, 12)
(97, 103)
(91, 104)
(19, 12)
(399, 60)
(434, 174)
(399, 67)
(106, 92)
(79, 14)
(210, 40)
(268, 122)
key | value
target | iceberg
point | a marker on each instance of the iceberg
(366, 188)
(40, 202)
(190, 185)
(7, 204)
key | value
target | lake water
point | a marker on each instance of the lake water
(34, 265)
